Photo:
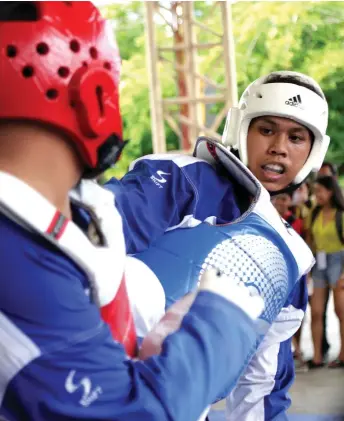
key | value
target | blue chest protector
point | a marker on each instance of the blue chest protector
(258, 248)
(250, 251)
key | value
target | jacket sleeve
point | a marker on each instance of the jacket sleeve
(59, 362)
(163, 192)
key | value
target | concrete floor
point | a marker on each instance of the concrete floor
(317, 395)
(319, 391)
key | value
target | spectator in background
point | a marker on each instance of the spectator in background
(325, 235)
(299, 209)
(282, 203)
(302, 202)
(328, 169)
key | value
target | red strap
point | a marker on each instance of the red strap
(117, 314)
(57, 225)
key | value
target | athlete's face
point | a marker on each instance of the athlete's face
(277, 149)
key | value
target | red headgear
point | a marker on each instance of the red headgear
(60, 66)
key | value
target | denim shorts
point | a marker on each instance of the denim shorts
(333, 271)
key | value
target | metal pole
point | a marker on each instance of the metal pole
(155, 97)
(229, 55)
(190, 52)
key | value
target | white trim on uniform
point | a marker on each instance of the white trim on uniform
(17, 350)
(146, 295)
(189, 221)
(301, 252)
(246, 401)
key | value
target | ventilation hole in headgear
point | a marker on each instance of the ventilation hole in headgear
(107, 65)
(42, 48)
(258, 95)
(74, 46)
(85, 64)
(63, 72)
(72, 104)
(52, 94)
(11, 51)
(99, 95)
(28, 71)
(93, 52)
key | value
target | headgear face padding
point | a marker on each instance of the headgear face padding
(281, 99)
(60, 66)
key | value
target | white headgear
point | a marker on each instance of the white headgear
(281, 99)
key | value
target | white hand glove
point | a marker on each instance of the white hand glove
(233, 290)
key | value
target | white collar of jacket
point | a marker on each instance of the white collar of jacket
(32, 211)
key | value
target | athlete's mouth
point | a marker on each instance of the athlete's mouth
(275, 168)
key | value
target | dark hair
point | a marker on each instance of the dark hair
(293, 79)
(308, 203)
(289, 193)
(332, 167)
(309, 185)
(331, 184)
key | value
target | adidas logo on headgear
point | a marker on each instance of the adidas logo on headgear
(295, 101)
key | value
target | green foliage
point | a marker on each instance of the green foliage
(299, 36)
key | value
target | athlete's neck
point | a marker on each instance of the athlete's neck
(42, 159)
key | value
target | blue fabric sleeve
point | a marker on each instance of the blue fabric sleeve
(158, 194)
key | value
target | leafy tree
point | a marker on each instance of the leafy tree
(299, 36)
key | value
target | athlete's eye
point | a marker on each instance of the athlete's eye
(266, 131)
